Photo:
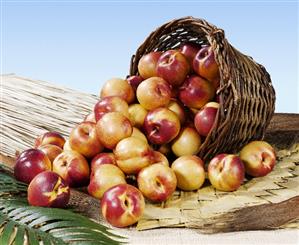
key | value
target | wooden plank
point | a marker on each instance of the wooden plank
(284, 122)
(283, 130)
(260, 217)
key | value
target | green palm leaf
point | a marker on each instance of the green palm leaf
(10, 186)
(20, 222)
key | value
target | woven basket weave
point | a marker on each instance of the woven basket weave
(247, 97)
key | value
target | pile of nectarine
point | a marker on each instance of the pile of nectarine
(141, 141)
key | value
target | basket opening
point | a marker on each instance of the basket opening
(174, 38)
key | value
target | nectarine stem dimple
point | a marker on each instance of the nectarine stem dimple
(127, 204)
(161, 91)
(172, 58)
(221, 166)
(154, 131)
(64, 163)
(158, 183)
(86, 131)
(265, 159)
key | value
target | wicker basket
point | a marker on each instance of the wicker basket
(247, 97)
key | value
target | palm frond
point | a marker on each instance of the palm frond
(20, 222)
(10, 186)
